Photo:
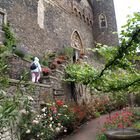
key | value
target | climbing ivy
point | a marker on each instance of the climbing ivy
(10, 38)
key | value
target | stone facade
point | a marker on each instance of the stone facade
(105, 34)
(42, 25)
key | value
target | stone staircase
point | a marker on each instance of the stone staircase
(54, 79)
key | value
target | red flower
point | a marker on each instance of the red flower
(59, 102)
(120, 125)
(45, 70)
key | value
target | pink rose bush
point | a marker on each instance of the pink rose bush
(54, 118)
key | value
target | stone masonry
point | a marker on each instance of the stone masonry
(58, 21)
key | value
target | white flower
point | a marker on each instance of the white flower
(42, 133)
(59, 124)
(24, 112)
(35, 122)
(57, 129)
(62, 126)
(44, 115)
(44, 109)
(30, 98)
(28, 131)
(65, 130)
(33, 111)
(50, 125)
(65, 106)
(51, 118)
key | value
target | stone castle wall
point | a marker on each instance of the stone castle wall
(56, 27)
(105, 35)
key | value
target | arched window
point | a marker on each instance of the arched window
(84, 18)
(90, 22)
(87, 19)
(3, 17)
(1, 20)
(76, 43)
(40, 14)
(80, 15)
(102, 21)
(75, 11)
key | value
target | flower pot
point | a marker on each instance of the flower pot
(123, 134)
(45, 73)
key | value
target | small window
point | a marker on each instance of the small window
(90, 22)
(102, 21)
(84, 18)
(1, 20)
(80, 15)
(75, 11)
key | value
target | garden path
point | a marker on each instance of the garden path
(89, 130)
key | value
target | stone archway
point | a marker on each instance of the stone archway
(76, 41)
(76, 44)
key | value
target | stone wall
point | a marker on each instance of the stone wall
(105, 35)
(17, 68)
(40, 94)
(59, 20)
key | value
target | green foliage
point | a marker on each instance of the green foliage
(136, 114)
(80, 73)
(108, 52)
(137, 125)
(119, 73)
(9, 35)
(101, 137)
(66, 51)
(8, 110)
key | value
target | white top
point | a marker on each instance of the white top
(38, 69)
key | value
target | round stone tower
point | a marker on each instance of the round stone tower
(104, 22)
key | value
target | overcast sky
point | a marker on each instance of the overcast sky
(124, 8)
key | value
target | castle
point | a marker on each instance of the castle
(43, 25)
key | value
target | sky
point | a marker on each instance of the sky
(124, 8)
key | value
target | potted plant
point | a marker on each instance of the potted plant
(45, 71)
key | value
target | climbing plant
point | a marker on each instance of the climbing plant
(10, 38)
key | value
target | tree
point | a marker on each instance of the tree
(119, 72)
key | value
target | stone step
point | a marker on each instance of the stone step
(58, 92)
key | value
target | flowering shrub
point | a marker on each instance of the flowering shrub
(45, 71)
(119, 120)
(101, 104)
(53, 119)
(80, 115)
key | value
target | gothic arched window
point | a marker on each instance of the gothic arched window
(76, 43)
(1, 19)
(75, 12)
(102, 21)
